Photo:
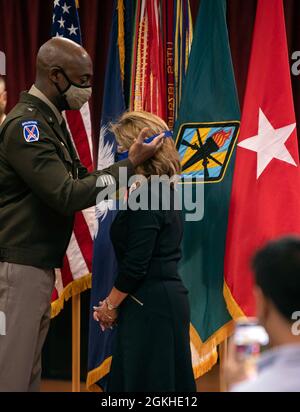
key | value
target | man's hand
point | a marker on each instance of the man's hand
(237, 370)
(140, 151)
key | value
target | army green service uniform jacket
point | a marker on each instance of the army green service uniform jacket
(42, 185)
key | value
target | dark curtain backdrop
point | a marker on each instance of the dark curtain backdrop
(26, 24)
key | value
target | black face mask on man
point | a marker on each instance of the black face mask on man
(74, 95)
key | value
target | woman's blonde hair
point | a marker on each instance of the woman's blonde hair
(166, 160)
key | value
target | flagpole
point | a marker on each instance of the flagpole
(76, 343)
(223, 352)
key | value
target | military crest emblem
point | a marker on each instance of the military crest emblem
(31, 131)
(205, 149)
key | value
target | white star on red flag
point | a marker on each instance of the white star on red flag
(269, 143)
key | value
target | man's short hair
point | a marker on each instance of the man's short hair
(277, 272)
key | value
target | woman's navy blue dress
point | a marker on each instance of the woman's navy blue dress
(152, 347)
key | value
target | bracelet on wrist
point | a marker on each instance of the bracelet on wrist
(110, 306)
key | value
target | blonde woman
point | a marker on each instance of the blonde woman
(149, 301)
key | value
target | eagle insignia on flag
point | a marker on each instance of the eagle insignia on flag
(31, 131)
(205, 149)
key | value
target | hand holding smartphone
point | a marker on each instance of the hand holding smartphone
(244, 349)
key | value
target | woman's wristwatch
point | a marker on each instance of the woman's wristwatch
(110, 306)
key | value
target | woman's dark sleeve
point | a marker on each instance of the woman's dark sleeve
(143, 229)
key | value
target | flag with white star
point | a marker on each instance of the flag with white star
(75, 274)
(66, 20)
(265, 197)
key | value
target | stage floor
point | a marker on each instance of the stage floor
(207, 383)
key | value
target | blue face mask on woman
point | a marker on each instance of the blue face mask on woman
(124, 155)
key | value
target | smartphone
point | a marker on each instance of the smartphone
(249, 338)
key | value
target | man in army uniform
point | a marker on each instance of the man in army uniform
(42, 185)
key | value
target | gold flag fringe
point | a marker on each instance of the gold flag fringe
(232, 306)
(121, 37)
(208, 350)
(96, 374)
(72, 289)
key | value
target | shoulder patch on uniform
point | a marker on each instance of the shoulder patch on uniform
(31, 131)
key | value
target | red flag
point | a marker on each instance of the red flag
(265, 200)
(148, 73)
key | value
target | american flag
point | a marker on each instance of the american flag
(75, 276)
